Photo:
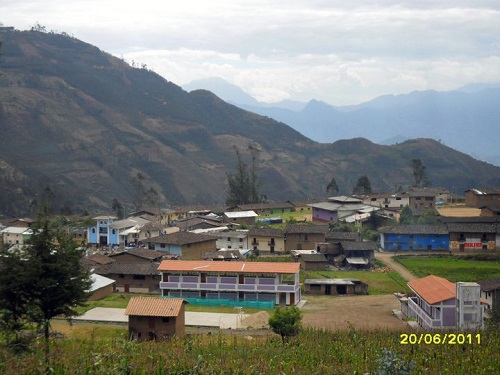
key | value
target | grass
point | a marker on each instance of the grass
(378, 282)
(453, 268)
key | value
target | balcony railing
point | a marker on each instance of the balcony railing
(422, 314)
(229, 287)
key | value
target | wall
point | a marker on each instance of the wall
(300, 241)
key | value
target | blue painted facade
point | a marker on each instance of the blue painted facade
(399, 241)
(167, 248)
(102, 233)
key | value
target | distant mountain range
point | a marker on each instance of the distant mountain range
(467, 119)
(81, 128)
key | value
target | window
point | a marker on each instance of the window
(139, 277)
(165, 320)
(93, 230)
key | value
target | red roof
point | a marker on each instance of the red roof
(433, 289)
(233, 267)
(148, 306)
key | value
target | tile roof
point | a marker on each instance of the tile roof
(313, 258)
(415, 229)
(266, 232)
(232, 267)
(489, 285)
(433, 289)
(127, 268)
(472, 227)
(359, 245)
(141, 253)
(331, 235)
(150, 306)
(98, 259)
(306, 228)
(180, 238)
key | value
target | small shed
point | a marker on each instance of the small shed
(313, 262)
(335, 286)
(155, 318)
(101, 287)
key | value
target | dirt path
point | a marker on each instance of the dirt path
(386, 258)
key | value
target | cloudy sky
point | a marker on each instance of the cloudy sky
(338, 51)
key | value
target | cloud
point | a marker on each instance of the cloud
(338, 51)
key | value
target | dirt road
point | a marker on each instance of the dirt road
(386, 258)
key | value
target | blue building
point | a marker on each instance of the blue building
(103, 233)
(414, 237)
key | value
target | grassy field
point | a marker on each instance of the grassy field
(453, 268)
(311, 352)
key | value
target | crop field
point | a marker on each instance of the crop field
(453, 268)
(311, 352)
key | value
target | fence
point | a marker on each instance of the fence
(229, 302)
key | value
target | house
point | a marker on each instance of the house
(490, 211)
(96, 260)
(187, 245)
(237, 239)
(240, 217)
(22, 222)
(335, 286)
(482, 197)
(470, 236)
(414, 237)
(132, 277)
(264, 209)
(17, 235)
(154, 229)
(441, 304)
(101, 287)
(490, 292)
(387, 200)
(313, 262)
(199, 222)
(101, 234)
(155, 318)
(422, 198)
(359, 254)
(138, 255)
(240, 282)
(304, 236)
(222, 255)
(267, 240)
(128, 230)
(341, 208)
(302, 205)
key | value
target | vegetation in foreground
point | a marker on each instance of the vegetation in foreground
(310, 352)
(454, 267)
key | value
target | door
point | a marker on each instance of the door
(328, 290)
(127, 288)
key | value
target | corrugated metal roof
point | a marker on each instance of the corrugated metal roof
(99, 282)
(232, 267)
(433, 289)
(148, 306)
(240, 214)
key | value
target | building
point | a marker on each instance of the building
(338, 208)
(241, 282)
(359, 254)
(330, 287)
(265, 209)
(267, 240)
(132, 277)
(139, 255)
(441, 304)
(482, 197)
(312, 262)
(387, 200)
(101, 287)
(414, 237)
(470, 236)
(422, 199)
(237, 239)
(187, 245)
(490, 292)
(240, 217)
(304, 236)
(17, 235)
(155, 318)
(101, 233)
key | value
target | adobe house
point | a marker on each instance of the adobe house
(137, 256)
(414, 237)
(132, 277)
(187, 245)
(240, 217)
(335, 286)
(359, 254)
(156, 319)
(101, 287)
(267, 240)
(313, 262)
(484, 197)
(304, 236)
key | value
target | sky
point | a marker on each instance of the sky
(337, 51)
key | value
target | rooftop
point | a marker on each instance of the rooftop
(433, 289)
(149, 306)
(231, 267)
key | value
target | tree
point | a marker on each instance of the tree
(50, 273)
(286, 322)
(419, 176)
(363, 186)
(406, 216)
(117, 208)
(243, 184)
(332, 187)
(428, 217)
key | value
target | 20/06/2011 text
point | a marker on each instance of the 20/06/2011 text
(439, 338)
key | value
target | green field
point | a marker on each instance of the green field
(453, 268)
(311, 352)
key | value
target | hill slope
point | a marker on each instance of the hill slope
(83, 128)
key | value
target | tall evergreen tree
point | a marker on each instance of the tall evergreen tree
(419, 175)
(363, 186)
(332, 187)
(244, 184)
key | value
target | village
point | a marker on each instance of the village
(258, 256)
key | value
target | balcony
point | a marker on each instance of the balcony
(230, 287)
(255, 242)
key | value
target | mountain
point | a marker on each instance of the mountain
(81, 128)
